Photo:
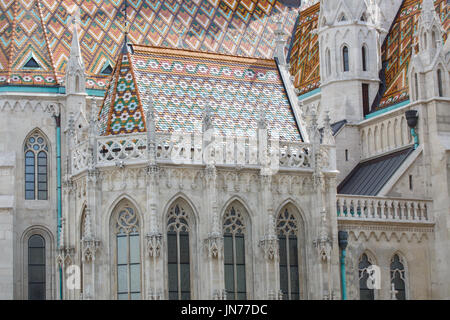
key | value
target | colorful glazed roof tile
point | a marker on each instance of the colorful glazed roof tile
(397, 49)
(41, 28)
(304, 52)
(181, 84)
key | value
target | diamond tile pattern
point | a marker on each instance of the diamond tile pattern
(239, 27)
(397, 49)
(304, 53)
(181, 85)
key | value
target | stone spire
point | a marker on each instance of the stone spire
(75, 76)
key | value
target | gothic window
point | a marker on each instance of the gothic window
(36, 268)
(345, 58)
(287, 229)
(433, 40)
(178, 251)
(36, 167)
(398, 277)
(128, 256)
(234, 249)
(439, 79)
(364, 58)
(416, 86)
(365, 293)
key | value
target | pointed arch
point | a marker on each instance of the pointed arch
(366, 262)
(290, 227)
(38, 268)
(398, 271)
(180, 235)
(36, 155)
(345, 58)
(126, 249)
(237, 233)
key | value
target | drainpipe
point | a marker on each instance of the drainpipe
(342, 238)
(58, 193)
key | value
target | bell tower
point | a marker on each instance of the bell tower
(349, 43)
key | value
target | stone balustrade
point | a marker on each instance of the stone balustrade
(384, 135)
(353, 207)
(193, 149)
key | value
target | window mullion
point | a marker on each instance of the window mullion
(36, 175)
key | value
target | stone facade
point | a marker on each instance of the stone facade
(408, 218)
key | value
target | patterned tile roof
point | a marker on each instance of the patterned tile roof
(182, 83)
(238, 27)
(397, 49)
(304, 52)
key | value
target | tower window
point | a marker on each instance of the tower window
(416, 86)
(364, 58)
(365, 98)
(328, 57)
(410, 182)
(346, 154)
(439, 79)
(345, 59)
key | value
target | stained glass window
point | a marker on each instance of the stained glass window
(178, 253)
(287, 229)
(36, 167)
(398, 277)
(365, 292)
(128, 257)
(36, 268)
(234, 250)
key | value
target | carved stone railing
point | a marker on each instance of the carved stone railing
(352, 207)
(80, 157)
(384, 134)
(192, 149)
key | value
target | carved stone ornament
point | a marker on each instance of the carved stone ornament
(154, 244)
(214, 245)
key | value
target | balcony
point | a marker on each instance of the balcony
(384, 209)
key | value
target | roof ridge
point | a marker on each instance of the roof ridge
(208, 53)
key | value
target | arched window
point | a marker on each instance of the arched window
(36, 167)
(345, 58)
(416, 86)
(77, 84)
(328, 58)
(234, 232)
(425, 41)
(287, 229)
(364, 58)
(439, 79)
(128, 254)
(398, 277)
(36, 268)
(433, 40)
(178, 252)
(365, 293)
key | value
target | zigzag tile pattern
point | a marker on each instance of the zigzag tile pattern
(304, 54)
(182, 85)
(397, 49)
(23, 36)
(238, 27)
